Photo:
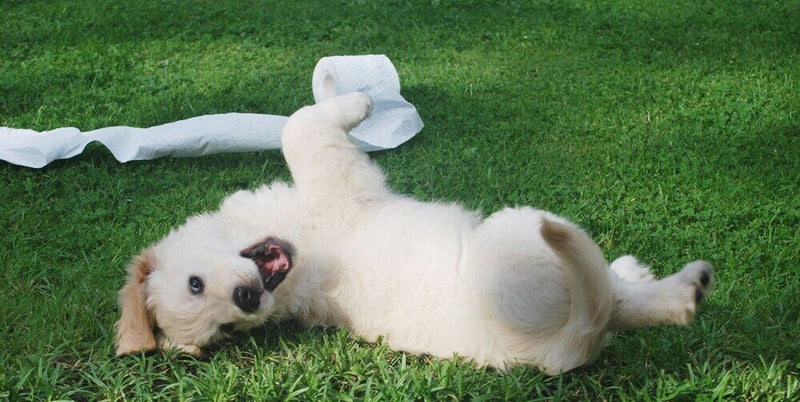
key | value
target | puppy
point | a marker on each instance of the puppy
(337, 247)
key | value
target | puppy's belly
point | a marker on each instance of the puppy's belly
(405, 278)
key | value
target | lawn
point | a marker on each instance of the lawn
(670, 130)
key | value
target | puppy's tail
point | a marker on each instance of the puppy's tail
(590, 287)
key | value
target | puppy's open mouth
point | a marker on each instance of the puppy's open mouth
(273, 257)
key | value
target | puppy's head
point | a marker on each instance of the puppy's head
(184, 294)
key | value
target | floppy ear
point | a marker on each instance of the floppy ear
(135, 327)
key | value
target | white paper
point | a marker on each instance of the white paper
(393, 121)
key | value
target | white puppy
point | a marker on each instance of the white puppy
(522, 286)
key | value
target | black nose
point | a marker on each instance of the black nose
(246, 298)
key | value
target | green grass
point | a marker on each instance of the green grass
(670, 130)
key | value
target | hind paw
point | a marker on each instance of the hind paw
(629, 269)
(694, 283)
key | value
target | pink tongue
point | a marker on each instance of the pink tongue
(273, 260)
(273, 257)
(276, 264)
(277, 260)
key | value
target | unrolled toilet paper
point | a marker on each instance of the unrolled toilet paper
(392, 122)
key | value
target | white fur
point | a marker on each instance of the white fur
(522, 286)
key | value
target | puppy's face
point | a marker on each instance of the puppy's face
(187, 292)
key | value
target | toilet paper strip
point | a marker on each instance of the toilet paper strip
(392, 122)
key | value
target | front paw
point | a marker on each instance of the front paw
(165, 344)
(353, 108)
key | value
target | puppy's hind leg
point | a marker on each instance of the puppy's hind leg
(550, 287)
(325, 164)
(672, 300)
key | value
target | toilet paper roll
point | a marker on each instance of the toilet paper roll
(392, 122)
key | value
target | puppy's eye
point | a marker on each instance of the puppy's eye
(195, 285)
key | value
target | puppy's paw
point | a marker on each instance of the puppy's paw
(700, 274)
(165, 343)
(343, 111)
(355, 107)
(629, 269)
(693, 283)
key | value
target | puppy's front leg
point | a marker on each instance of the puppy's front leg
(165, 343)
(325, 164)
